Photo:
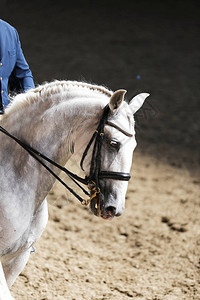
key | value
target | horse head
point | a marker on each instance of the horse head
(111, 160)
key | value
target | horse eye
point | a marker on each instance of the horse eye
(114, 144)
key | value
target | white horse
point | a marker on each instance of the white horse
(58, 119)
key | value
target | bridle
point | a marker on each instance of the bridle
(95, 165)
(92, 181)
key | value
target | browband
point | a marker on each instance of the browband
(119, 128)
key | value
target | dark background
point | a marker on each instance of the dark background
(141, 46)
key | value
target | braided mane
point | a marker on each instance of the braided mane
(56, 86)
(47, 89)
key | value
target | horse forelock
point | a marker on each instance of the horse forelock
(44, 91)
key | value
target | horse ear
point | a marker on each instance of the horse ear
(137, 102)
(116, 99)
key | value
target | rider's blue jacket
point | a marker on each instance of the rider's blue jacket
(14, 70)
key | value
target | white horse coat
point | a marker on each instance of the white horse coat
(58, 119)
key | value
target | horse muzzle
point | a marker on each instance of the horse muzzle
(104, 209)
(98, 204)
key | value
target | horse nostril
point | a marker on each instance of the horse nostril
(111, 210)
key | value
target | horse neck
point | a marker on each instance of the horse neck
(57, 129)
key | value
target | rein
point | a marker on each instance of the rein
(92, 181)
(36, 154)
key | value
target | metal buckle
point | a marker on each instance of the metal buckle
(94, 192)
